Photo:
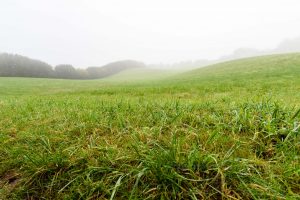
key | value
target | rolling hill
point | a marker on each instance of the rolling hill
(226, 131)
(262, 66)
(142, 74)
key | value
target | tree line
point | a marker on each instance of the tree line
(12, 65)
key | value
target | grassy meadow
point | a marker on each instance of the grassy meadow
(227, 131)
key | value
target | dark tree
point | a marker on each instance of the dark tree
(20, 66)
(66, 71)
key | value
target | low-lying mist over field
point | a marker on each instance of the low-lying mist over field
(19, 66)
(149, 99)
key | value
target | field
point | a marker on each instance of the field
(145, 75)
(227, 131)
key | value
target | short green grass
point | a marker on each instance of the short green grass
(142, 74)
(228, 131)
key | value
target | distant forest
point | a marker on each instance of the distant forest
(12, 65)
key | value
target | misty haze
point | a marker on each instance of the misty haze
(149, 99)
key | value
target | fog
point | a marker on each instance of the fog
(94, 33)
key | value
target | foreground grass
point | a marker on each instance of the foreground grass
(201, 135)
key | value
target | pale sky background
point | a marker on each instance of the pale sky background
(95, 32)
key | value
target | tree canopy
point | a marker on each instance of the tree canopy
(12, 65)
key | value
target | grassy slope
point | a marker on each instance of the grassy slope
(230, 130)
(269, 76)
(134, 75)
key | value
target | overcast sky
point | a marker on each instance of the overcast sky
(95, 32)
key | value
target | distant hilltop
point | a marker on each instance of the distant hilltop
(286, 46)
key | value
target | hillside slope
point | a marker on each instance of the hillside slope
(255, 67)
(142, 74)
(269, 76)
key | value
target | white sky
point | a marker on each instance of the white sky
(95, 32)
